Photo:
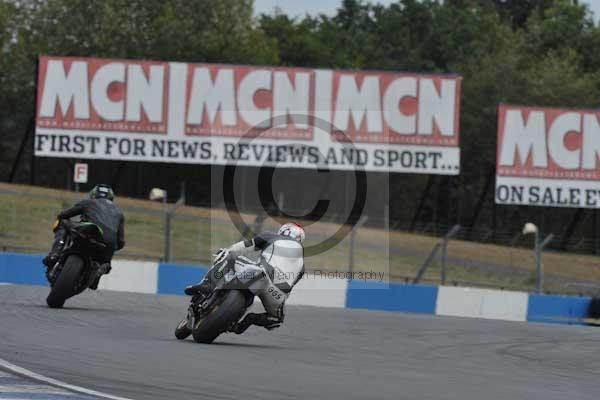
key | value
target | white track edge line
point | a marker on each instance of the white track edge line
(32, 375)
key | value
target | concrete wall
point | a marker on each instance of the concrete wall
(22, 269)
(127, 276)
(482, 303)
(164, 278)
(173, 278)
(558, 309)
(319, 292)
(392, 297)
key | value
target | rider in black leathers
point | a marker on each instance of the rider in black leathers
(100, 210)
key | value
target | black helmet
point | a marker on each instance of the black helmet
(102, 191)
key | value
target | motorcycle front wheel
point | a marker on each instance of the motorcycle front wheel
(182, 331)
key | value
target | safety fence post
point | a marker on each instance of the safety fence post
(360, 222)
(168, 217)
(538, 260)
(445, 240)
(443, 245)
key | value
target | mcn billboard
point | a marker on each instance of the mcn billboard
(250, 115)
(548, 157)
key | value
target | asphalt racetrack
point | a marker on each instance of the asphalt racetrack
(123, 344)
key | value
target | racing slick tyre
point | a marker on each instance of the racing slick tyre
(66, 283)
(221, 317)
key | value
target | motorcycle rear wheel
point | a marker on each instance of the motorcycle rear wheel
(221, 317)
(66, 283)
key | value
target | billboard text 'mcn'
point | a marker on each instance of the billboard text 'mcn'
(145, 97)
(548, 142)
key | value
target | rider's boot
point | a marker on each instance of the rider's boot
(205, 287)
(265, 320)
(94, 284)
(103, 269)
(202, 289)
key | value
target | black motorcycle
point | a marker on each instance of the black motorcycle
(210, 316)
(77, 267)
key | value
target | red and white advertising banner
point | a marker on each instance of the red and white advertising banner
(249, 115)
(548, 157)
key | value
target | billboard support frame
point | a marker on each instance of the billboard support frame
(596, 226)
(35, 91)
(577, 216)
(481, 201)
(28, 132)
(421, 204)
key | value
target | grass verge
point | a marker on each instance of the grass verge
(26, 214)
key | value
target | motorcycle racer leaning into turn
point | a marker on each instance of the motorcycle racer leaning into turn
(100, 210)
(279, 267)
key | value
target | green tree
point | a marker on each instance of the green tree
(532, 52)
(177, 30)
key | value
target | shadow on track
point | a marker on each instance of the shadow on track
(226, 344)
(111, 311)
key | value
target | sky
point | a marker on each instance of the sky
(296, 8)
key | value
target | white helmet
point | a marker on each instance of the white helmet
(293, 231)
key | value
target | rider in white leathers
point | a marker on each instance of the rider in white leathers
(279, 268)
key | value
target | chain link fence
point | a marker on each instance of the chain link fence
(26, 216)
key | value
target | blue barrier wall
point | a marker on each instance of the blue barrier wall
(557, 309)
(392, 297)
(173, 278)
(22, 269)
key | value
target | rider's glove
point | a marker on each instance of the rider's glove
(220, 256)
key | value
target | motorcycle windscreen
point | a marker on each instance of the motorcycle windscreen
(287, 259)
